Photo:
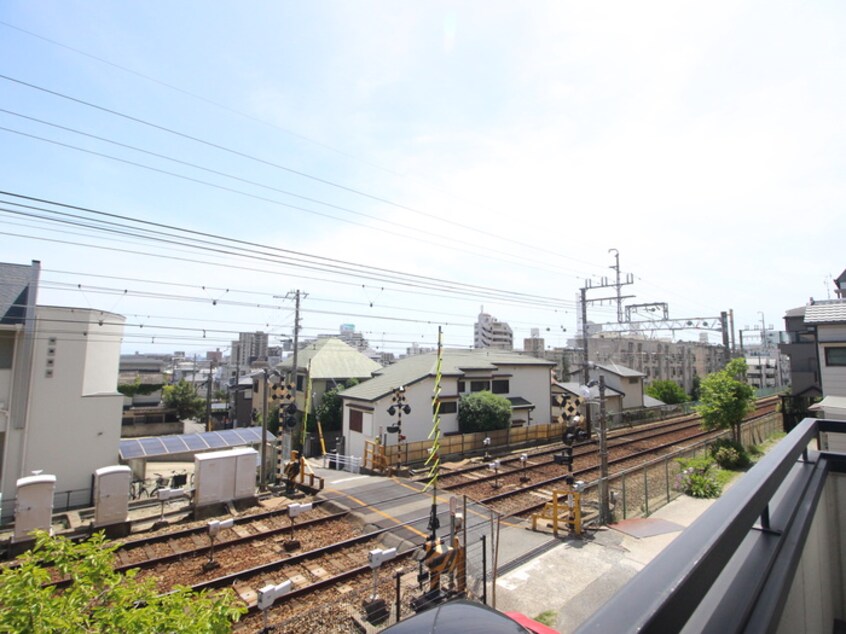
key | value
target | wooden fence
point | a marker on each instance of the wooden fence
(458, 446)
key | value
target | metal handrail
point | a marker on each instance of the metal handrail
(666, 593)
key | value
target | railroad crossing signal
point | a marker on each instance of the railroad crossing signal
(569, 406)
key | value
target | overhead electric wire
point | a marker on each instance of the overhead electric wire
(241, 154)
(486, 252)
(270, 254)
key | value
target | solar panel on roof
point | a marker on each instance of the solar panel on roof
(152, 446)
(195, 442)
(174, 444)
(214, 440)
(130, 449)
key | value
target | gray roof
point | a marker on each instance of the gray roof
(829, 312)
(649, 401)
(613, 368)
(333, 359)
(455, 363)
(15, 280)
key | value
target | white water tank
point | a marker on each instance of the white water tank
(33, 506)
(111, 495)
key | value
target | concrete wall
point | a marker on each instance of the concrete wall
(74, 421)
(817, 595)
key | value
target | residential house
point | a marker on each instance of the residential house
(327, 363)
(621, 380)
(829, 318)
(523, 380)
(60, 411)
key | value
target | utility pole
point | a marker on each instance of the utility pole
(618, 285)
(209, 397)
(604, 513)
(297, 295)
(619, 297)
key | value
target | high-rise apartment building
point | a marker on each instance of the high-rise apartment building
(489, 332)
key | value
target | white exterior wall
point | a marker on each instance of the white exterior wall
(533, 384)
(73, 424)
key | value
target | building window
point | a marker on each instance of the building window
(479, 386)
(356, 418)
(447, 407)
(461, 387)
(300, 382)
(500, 386)
(835, 356)
(7, 350)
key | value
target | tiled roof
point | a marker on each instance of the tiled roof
(333, 359)
(417, 367)
(826, 312)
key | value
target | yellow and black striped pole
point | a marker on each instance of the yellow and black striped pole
(434, 459)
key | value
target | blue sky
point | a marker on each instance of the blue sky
(503, 145)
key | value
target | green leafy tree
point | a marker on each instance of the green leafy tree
(100, 599)
(666, 391)
(483, 411)
(329, 411)
(726, 398)
(182, 397)
(695, 389)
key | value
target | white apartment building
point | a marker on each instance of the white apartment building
(489, 332)
(60, 411)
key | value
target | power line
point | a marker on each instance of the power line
(486, 252)
(270, 253)
(268, 163)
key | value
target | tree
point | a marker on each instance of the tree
(100, 599)
(329, 411)
(182, 397)
(726, 398)
(695, 388)
(666, 391)
(483, 411)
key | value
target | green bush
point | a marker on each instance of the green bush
(729, 454)
(698, 479)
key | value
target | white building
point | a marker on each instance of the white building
(60, 411)
(489, 332)
(829, 319)
(523, 380)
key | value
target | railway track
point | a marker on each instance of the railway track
(520, 492)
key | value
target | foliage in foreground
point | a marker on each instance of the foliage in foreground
(698, 478)
(100, 599)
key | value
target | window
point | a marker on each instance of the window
(835, 356)
(356, 418)
(479, 386)
(447, 407)
(500, 386)
(7, 349)
(300, 382)
(461, 387)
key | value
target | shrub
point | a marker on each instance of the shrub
(698, 479)
(729, 454)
